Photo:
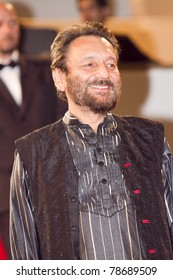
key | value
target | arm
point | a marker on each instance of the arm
(167, 175)
(23, 236)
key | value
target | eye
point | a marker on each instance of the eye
(12, 23)
(111, 66)
(90, 65)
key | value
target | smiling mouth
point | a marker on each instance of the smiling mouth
(100, 87)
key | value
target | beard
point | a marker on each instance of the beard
(98, 101)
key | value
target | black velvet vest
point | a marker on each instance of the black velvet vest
(54, 187)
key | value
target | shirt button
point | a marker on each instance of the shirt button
(73, 228)
(104, 181)
(99, 150)
(101, 163)
(73, 199)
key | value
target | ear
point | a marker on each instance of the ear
(59, 78)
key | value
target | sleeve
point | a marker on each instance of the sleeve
(23, 237)
(167, 175)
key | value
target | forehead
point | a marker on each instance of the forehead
(7, 12)
(87, 45)
(87, 4)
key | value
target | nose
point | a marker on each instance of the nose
(102, 71)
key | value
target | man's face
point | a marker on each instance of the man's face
(89, 10)
(9, 30)
(93, 80)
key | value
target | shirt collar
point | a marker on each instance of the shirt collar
(70, 119)
(109, 122)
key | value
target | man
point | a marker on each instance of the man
(93, 10)
(92, 185)
(27, 102)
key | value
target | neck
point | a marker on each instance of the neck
(7, 56)
(86, 116)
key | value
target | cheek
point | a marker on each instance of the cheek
(81, 80)
(17, 32)
(65, 86)
(116, 78)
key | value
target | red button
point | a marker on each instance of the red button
(151, 251)
(145, 221)
(136, 191)
(128, 164)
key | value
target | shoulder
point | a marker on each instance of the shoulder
(141, 128)
(46, 133)
(139, 122)
(143, 132)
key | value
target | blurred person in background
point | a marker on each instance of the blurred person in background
(28, 101)
(93, 10)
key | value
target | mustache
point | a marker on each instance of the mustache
(99, 82)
